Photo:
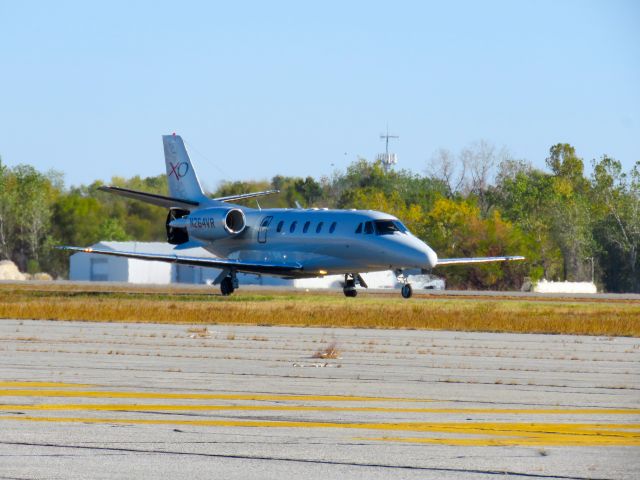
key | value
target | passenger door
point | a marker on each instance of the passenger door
(262, 231)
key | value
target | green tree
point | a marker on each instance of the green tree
(111, 230)
(139, 220)
(567, 166)
(83, 220)
(7, 207)
(33, 194)
(618, 195)
(309, 190)
(305, 191)
(569, 211)
(456, 228)
(523, 195)
(370, 177)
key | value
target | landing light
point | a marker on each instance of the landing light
(322, 272)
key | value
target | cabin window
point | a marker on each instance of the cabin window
(319, 227)
(332, 228)
(280, 225)
(305, 229)
(293, 226)
(359, 229)
(368, 227)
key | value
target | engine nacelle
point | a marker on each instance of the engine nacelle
(216, 223)
(176, 235)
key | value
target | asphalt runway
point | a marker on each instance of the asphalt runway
(98, 400)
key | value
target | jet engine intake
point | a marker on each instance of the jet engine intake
(234, 221)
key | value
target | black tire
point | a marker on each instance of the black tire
(350, 292)
(406, 291)
(226, 286)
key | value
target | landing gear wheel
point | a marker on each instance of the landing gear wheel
(349, 286)
(406, 291)
(226, 286)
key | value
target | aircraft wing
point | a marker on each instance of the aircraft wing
(238, 265)
(463, 261)
(151, 198)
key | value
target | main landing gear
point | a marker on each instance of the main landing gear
(228, 282)
(349, 288)
(350, 282)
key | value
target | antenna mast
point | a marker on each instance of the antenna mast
(387, 159)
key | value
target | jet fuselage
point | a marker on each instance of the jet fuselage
(322, 241)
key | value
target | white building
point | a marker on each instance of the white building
(104, 268)
(544, 286)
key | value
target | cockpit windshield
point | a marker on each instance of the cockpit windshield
(389, 227)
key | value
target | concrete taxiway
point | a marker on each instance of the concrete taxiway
(97, 400)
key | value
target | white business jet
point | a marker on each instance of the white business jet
(288, 243)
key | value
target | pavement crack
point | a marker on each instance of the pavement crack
(306, 460)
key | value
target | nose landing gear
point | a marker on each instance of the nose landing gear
(406, 291)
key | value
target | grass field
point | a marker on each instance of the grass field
(200, 306)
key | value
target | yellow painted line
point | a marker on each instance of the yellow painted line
(43, 384)
(507, 433)
(164, 407)
(201, 396)
(546, 441)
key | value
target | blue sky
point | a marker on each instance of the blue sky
(300, 88)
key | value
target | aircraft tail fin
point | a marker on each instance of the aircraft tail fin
(183, 181)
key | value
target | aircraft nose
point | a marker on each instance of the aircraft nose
(421, 256)
(432, 257)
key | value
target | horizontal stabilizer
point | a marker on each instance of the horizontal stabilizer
(242, 196)
(238, 265)
(151, 198)
(171, 202)
(464, 261)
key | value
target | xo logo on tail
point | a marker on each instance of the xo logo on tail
(180, 169)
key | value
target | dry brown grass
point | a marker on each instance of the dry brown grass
(330, 352)
(194, 307)
(199, 332)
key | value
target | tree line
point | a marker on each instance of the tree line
(476, 202)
